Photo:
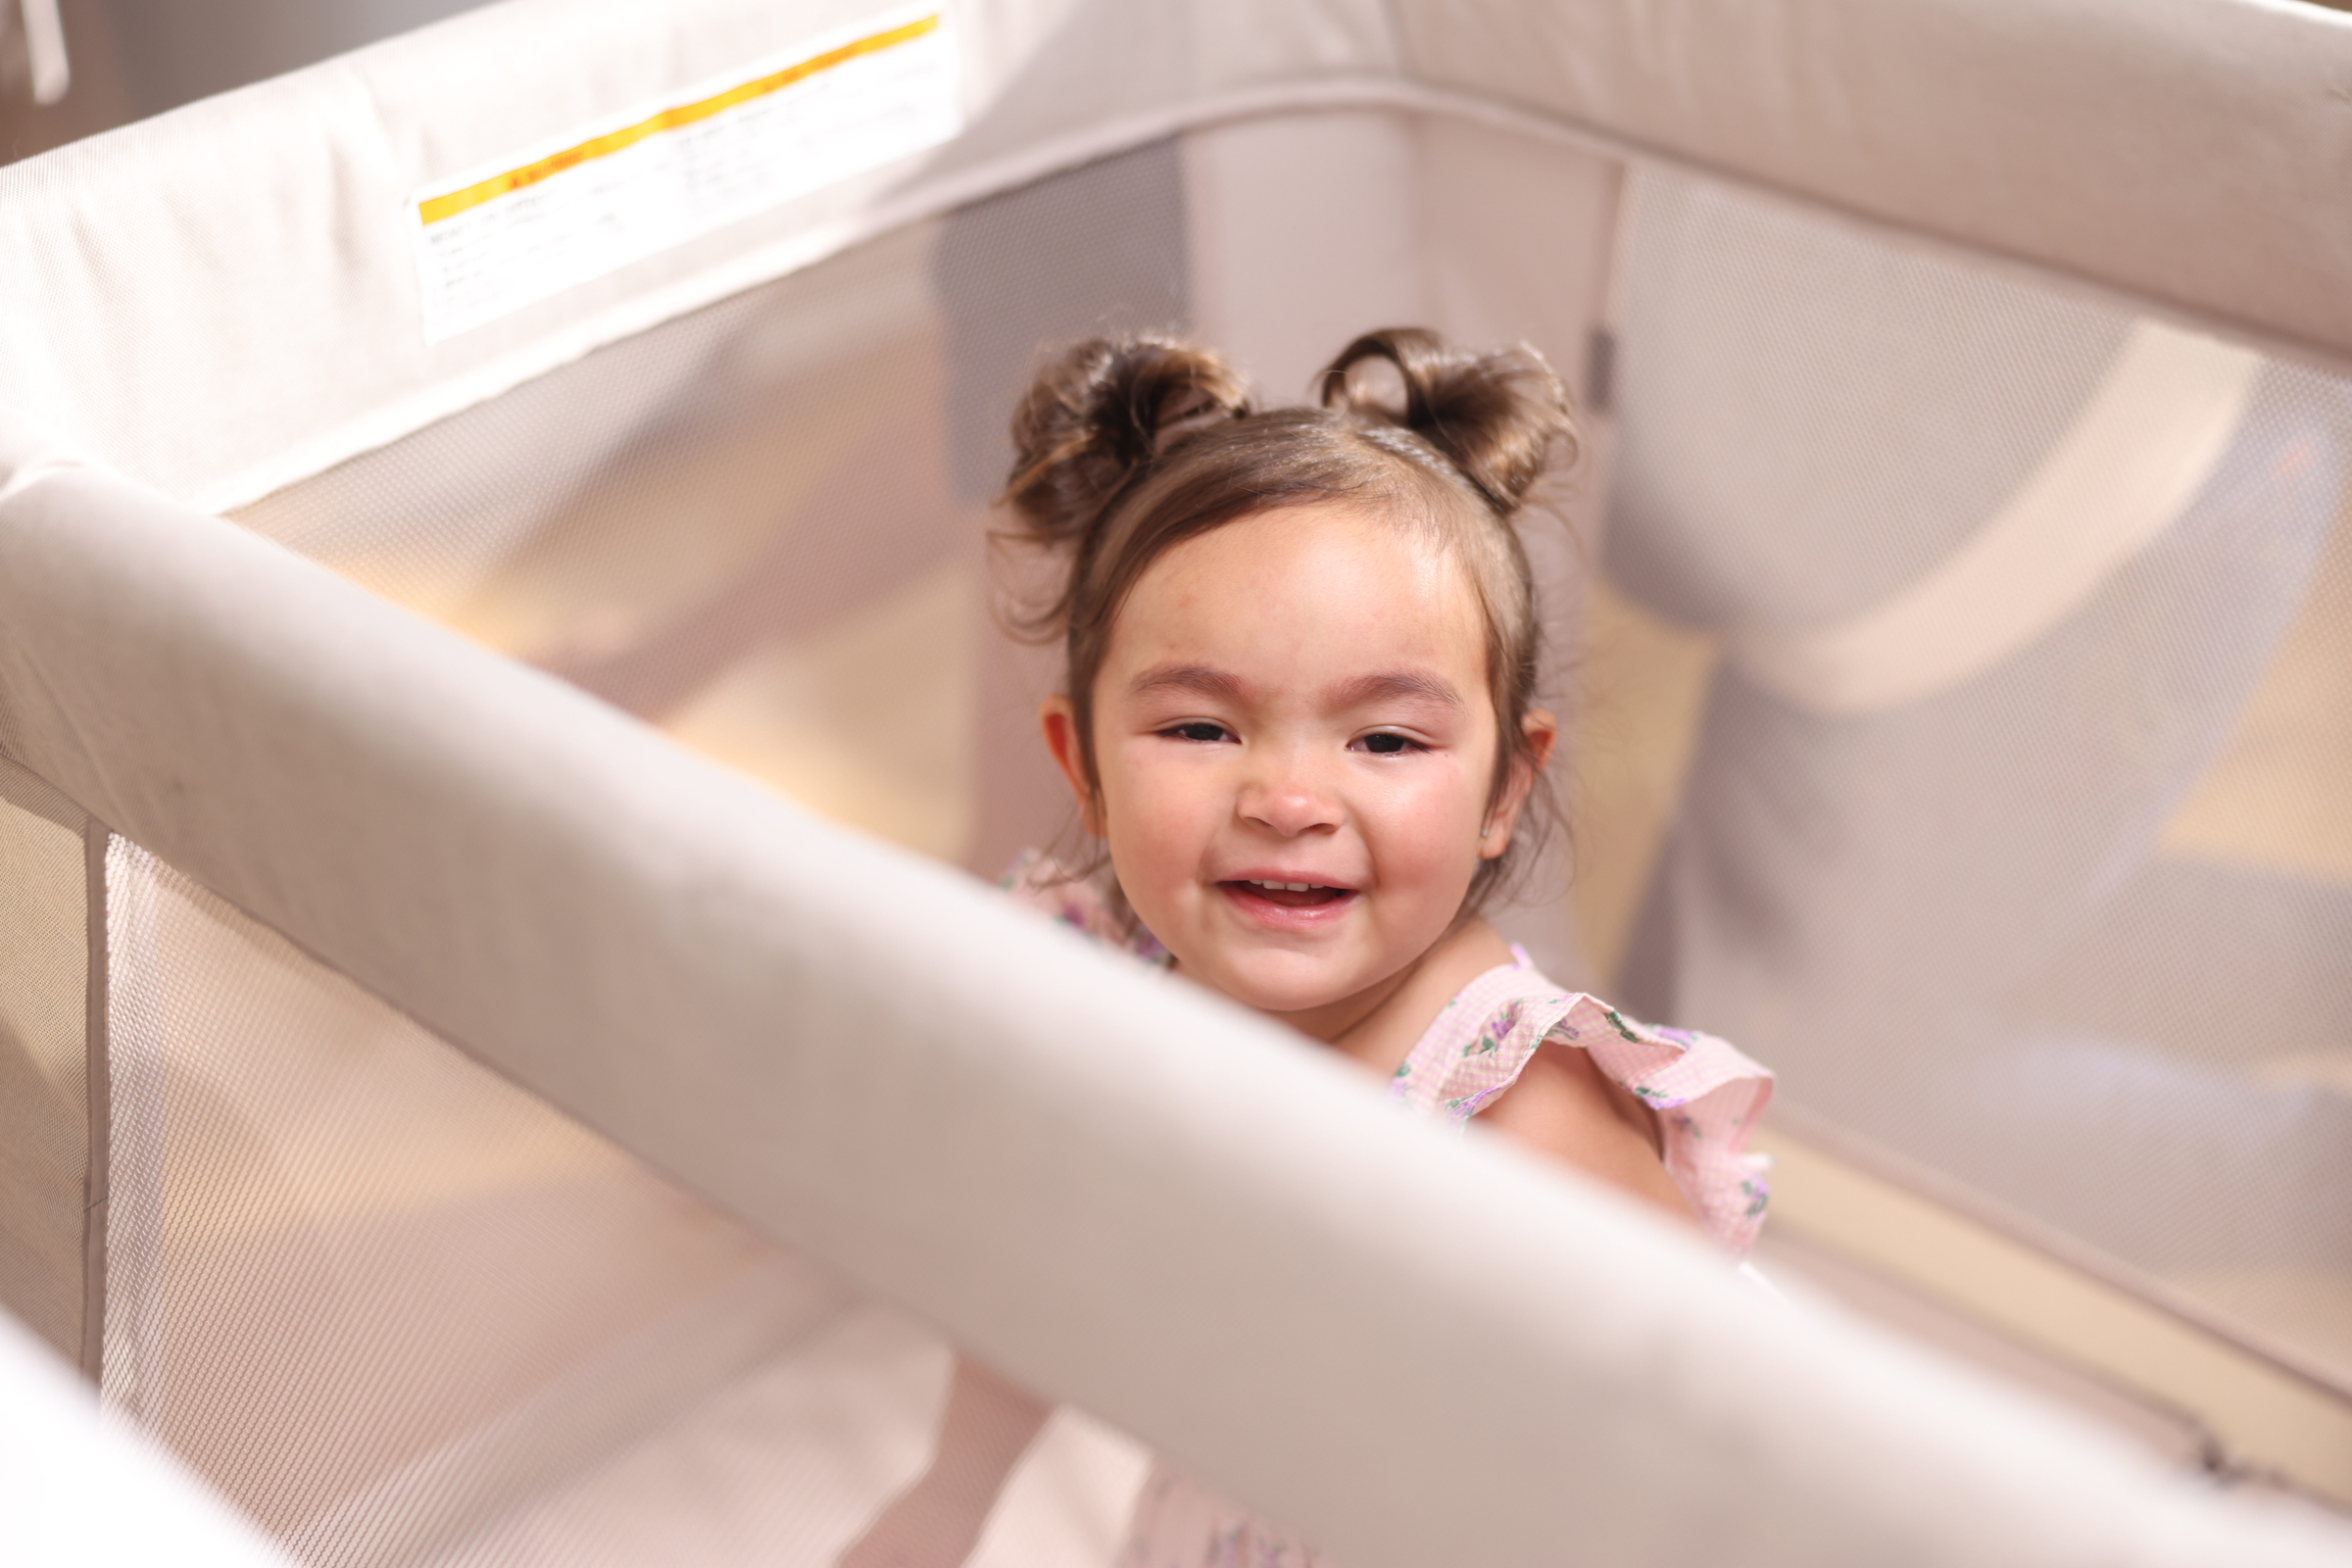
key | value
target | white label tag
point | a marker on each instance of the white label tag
(590, 203)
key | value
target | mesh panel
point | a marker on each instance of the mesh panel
(44, 1104)
(762, 525)
(805, 563)
(1099, 249)
(782, 1468)
(399, 1310)
(2073, 929)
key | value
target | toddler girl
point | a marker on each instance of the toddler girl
(1301, 720)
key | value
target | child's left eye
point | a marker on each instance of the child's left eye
(1382, 743)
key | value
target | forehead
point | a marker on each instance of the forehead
(1308, 592)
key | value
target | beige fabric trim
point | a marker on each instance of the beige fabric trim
(2134, 460)
(34, 794)
(98, 1097)
(29, 792)
(43, 1041)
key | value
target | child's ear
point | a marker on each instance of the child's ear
(1059, 722)
(1543, 732)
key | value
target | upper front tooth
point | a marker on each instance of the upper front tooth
(1298, 887)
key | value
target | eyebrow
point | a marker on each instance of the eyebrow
(1398, 686)
(1198, 678)
(1387, 686)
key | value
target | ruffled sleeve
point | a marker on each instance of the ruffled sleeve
(1706, 1095)
(1041, 883)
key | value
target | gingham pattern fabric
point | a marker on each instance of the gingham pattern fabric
(1707, 1093)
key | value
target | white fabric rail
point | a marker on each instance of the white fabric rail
(255, 287)
(1123, 1191)
(79, 1492)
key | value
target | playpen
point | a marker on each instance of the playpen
(455, 499)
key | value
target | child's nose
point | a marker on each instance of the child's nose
(1289, 796)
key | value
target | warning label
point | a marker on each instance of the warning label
(662, 173)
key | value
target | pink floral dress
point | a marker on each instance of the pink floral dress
(1705, 1094)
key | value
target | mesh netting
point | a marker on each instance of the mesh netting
(740, 535)
(2071, 927)
(763, 525)
(401, 1311)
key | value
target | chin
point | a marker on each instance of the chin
(1287, 987)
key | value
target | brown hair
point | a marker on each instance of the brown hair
(1126, 447)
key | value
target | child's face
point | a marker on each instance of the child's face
(1299, 696)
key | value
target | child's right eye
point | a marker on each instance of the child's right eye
(1198, 730)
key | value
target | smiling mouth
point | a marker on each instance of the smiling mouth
(1289, 895)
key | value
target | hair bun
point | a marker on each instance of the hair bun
(1494, 415)
(1099, 415)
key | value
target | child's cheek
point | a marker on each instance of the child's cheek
(1426, 842)
(1158, 830)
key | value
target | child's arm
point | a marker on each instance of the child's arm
(1563, 1105)
(936, 1522)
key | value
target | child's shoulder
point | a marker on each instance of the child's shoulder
(1496, 1022)
(1707, 1093)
